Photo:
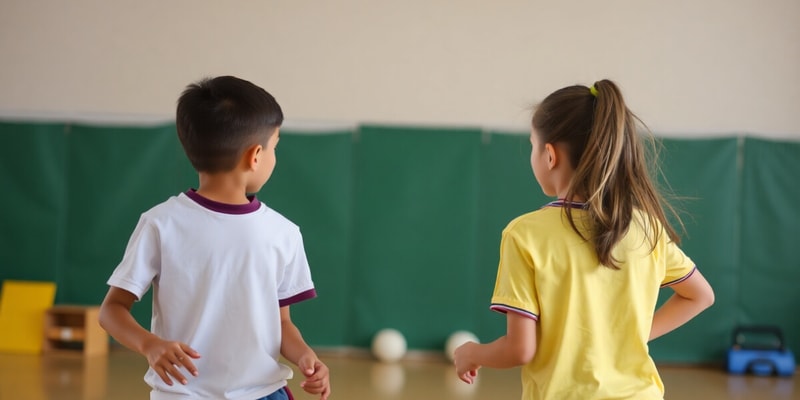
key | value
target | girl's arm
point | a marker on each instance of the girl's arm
(164, 357)
(516, 348)
(691, 297)
(295, 349)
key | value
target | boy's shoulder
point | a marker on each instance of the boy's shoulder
(277, 218)
(178, 203)
(164, 208)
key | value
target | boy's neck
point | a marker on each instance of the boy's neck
(223, 188)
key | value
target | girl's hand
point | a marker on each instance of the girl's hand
(317, 376)
(166, 358)
(465, 368)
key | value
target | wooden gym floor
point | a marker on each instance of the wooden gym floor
(119, 377)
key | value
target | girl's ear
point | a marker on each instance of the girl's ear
(552, 156)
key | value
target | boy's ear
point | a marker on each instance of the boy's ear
(552, 155)
(252, 156)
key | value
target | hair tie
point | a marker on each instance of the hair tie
(593, 91)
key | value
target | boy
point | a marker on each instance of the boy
(224, 267)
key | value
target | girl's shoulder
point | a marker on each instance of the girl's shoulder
(538, 219)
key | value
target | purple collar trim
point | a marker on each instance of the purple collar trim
(236, 209)
(570, 204)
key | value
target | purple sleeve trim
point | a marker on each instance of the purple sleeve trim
(308, 294)
(679, 280)
(502, 308)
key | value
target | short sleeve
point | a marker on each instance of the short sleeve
(296, 284)
(679, 267)
(141, 262)
(515, 288)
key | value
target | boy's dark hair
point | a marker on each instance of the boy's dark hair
(218, 118)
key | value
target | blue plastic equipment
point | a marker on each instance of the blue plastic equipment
(760, 358)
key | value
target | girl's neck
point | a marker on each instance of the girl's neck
(562, 195)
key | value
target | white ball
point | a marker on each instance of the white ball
(388, 345)
(457, 339)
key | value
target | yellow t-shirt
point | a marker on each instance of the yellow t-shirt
(593, 322)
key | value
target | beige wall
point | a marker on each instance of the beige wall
(687, 67)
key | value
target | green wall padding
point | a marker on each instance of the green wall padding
(508, 189)
(312, 185)
(704, 175)
(769, 279)
(32, 163)
(415, 232)
(401, 224)
(115, 174)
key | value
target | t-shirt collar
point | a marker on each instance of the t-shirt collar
(224, 208)
(564, 203)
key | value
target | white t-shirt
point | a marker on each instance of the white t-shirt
(220, 274)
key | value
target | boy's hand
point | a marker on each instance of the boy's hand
(466, 370)
(316, 373)
(166, 358)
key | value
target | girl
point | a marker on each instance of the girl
(579, 279)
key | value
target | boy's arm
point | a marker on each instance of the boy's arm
(163, 356)
(691, 297)
(516, 348)
(295, 349)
